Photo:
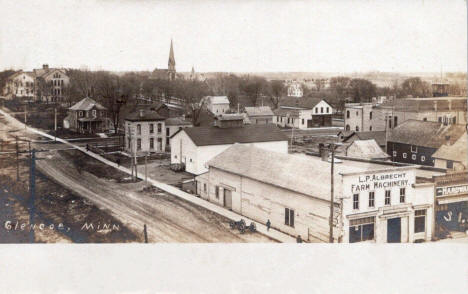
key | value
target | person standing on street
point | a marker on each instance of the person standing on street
(268, 224)
(299, 239)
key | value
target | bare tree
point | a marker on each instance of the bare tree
(277, 91)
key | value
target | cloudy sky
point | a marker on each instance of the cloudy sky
(238, 36)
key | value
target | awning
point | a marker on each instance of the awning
(452, 199)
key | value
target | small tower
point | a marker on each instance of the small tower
(171, 64)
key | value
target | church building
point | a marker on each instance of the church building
(170, 72)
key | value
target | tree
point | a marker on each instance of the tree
(416, 87)
(107, 88)
(319, 84)
(340, 85)
(362, 90)
(276, 92)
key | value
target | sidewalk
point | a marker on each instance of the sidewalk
(272, 233)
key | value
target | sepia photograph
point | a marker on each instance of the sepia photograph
(205, 124)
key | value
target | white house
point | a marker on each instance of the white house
(144, 132)
(174, 124)
(196, 146)
(217, 104)
(20, 84)
(303, 113)
(293, 192)
(295, 90)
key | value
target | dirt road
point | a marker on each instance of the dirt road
(168, 218)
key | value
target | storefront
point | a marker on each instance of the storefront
(386, 206)
(451, 205)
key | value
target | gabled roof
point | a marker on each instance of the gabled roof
(218, 99)
(258, 111)
(305, 175)
(426, 133)
(144, 115)
(302, 102)
(456, 152)
(19, 73)
(87, 104)
(367, 149)
(205, 136)
(378, 136)
(44, 72)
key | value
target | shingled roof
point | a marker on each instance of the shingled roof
(305, 175)
(378, 136)
(426, 133)
(456, 152)
(303, 102)
(258, 111)
(144, 115)
(87, 104)
(204, 136)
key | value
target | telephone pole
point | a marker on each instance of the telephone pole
(17, 159)
(146, 170)
(32, 193)
(55, 124)
(332, 191)
(25, 116)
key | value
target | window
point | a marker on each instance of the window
(370, 128)
(357, 113)
(425, 119)
(347, 113)
(371, 199)
(394, 153)
(387, 197)
(449, 164)
(414, 149)
(289, 217)
(151, 127)
(357, 128)
(423, 158)
(454, 120)
(94, 112)
(356, 201)
(413, 156)
(302, 121)
(159, 128)
(159, 144)
(361, 229)
(204, 187)
(402, 195)
(316, 110)
(139, 129)
(370, 115)
(395, 123)
(390, 123)
(138, 144)
(217, 192)
(404, 155)
(80, 113)
(347, 128)
(151, 143)
(327, 109)
(321, 109)
(419, 221)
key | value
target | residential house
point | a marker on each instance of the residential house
(144, 132)
(173, 125)
(259, 115)
(87, 116)
(303, 113)
(51, 84)
(216, 104)
(295, 90)
(19, 84)
(195, 146)
(416, 141)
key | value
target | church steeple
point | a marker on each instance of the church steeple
(171, 63)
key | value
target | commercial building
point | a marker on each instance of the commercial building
(388, 115)
(416, 141)
(303, 113)
(144, 132)
(195, 146)
(87, 116)
(293, 192)
(259, 115)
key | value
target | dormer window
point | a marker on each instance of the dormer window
(94, 112)
(80, 113)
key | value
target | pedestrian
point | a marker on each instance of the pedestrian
(299, 239)
(268, 224)
(87, 147)
(118, 161)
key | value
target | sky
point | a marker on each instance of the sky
(236, 36)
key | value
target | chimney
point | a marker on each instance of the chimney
(45, 66)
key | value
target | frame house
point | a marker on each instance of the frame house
(87, 116)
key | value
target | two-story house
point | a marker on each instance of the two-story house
(144, 132)
(87, 116)
(19, 84)
(304, 113)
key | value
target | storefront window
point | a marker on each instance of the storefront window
(361, 229)
(419, 221)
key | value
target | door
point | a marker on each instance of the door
(394, 230)
(227, 198)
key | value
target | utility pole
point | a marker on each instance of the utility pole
(25, 116)
(32, 193)
(146, 170)
(55, 123)
(17, 159)
(145, 232)
(332, 191)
